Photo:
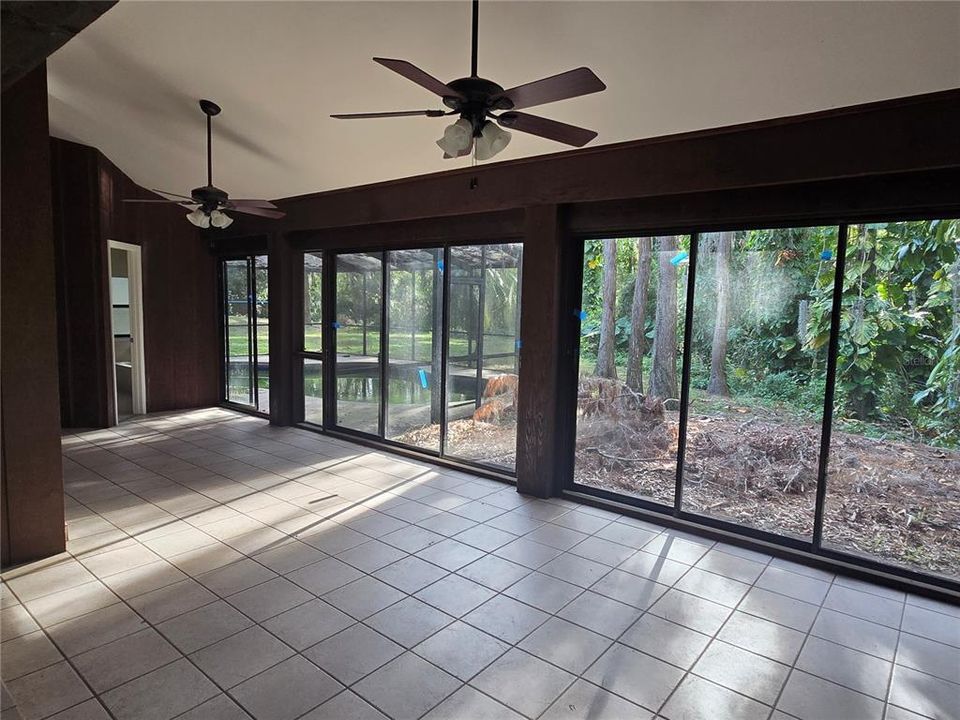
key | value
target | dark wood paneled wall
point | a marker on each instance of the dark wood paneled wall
(83, 320)
(30, 426)
(895, 136)
(179, 291)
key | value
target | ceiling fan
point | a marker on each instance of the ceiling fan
(475, 99)
(211, 201)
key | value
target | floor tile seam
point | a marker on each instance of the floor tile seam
(186, 656)
(713, 637)
(67, 660)
(583, 590)
(927, 673)
(803, 644)
(893, 666)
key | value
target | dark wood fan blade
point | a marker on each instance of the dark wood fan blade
(167, 202)
(164, 192)
(570, 84)
(251, 203)
(423, 79)
(399, 113)
(262, 212)
(551, 129)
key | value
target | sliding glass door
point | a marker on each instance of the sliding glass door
(311, 357)
(245, 320)
(423, 347)
(483, 353)
(893, 486)
(760, 321)
(631, 334)
(414, 350)
(798, 384)
(358, 362)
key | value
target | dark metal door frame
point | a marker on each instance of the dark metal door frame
(812, 550)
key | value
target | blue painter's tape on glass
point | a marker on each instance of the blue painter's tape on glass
(336, 325)
(679, 258)
(826, 255)
(519, 344)
(440, 265)
(423, 378)
(580, 314)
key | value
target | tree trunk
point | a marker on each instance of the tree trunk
(436, 340)
(663, 377)
(718, 355)
(953, 388)
(606, 360)
(638, 318)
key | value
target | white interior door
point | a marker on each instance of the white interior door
(126, 323)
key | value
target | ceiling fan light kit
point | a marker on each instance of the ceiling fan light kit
(457, 138)
(211, 201)
(199, 218)
(492, 140)
(475, 99)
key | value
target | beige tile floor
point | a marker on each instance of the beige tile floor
(220, 568)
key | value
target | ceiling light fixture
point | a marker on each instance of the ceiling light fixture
(209, 198)
(478, 100)
(492, 140)
(199, 218)
(220, 219)
(457, 138)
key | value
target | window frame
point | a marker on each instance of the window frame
(568, 374)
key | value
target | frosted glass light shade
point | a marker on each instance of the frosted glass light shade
(493, 139)
(220, 219)
(199, 218)
(456, 138)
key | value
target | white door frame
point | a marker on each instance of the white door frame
(137, 357)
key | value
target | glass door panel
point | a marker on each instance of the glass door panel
(313, 391)
(482, 353)
(261, 317)
(761, 326)
(359, 289)
(632, 328)
(893, 484)
(313, 302)
(414, 331)
(312, 361)
(238, 357)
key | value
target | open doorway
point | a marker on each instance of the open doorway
(126, 323)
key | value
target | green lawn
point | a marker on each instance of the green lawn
(350, 341)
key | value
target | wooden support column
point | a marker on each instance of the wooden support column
(537, 451)
(284, 282)
(32, 486)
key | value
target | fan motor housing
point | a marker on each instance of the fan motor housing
(478, 93)
(209, 197)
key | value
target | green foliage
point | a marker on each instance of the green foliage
(899, 343)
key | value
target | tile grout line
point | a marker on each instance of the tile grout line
(893, 663)
(803, 644)
(448, 573)
(296, 653)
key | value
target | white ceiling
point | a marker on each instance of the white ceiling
(128, 84)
